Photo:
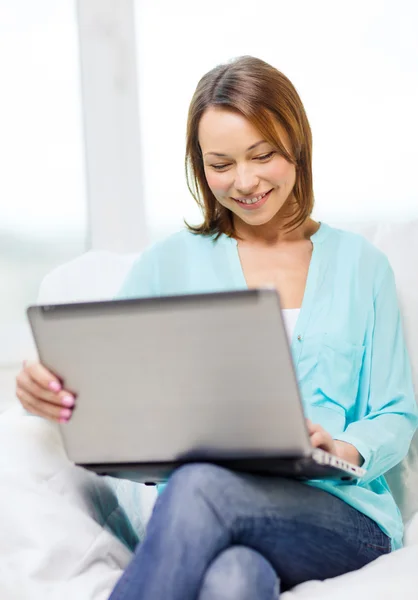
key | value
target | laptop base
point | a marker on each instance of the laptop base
(304, 468)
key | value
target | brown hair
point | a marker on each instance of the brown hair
(264, 96)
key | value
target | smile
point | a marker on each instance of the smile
(254, 202)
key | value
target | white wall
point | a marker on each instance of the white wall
(354, 64)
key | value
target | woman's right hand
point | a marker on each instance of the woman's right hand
(40, 392)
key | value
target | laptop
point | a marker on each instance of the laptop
(161, 382)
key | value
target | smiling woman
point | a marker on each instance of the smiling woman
(220, 535)
(254, 150)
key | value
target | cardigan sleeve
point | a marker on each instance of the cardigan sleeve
(383, 436)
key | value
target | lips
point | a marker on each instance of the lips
(252, 200)
(253, 203)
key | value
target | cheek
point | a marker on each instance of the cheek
(280, 172)
(218, 182)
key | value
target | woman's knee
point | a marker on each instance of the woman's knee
(192, 501)
(240, 573)
(198, 478)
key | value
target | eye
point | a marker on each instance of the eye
(220, 167)
(265, 156)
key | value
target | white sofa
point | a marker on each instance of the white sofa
(66, 533)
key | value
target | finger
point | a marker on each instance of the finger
(42, 408)
(44, 378)
(319, 440)
(313, 427)
(24, 381)
(322, 440)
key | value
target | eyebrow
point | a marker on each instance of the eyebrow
(248, 149)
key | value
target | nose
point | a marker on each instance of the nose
(246, 181)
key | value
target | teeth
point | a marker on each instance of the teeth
(252, 200)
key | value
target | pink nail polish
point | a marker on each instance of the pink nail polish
(63, 421)
(65, 413)
(54, 386)
(68, 401)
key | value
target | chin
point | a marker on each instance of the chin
(257, 220)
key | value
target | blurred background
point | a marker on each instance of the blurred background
(93, 104)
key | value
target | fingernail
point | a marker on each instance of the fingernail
(63, 421)
(54, 386)
(67, 401)
(65, 413)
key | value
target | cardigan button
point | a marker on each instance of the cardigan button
(299, 338)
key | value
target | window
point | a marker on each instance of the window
(42, 190)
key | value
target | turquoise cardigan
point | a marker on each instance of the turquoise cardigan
(348, 346)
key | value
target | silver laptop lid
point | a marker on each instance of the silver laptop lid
(166, 378)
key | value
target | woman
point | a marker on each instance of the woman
(216, 534)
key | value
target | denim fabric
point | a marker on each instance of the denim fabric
(220, 535)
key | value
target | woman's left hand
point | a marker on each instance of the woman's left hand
(321, 438)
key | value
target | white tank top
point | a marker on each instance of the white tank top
(290, 316)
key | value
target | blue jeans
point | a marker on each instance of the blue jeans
(220, 535)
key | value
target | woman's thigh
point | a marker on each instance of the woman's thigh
(304, 532)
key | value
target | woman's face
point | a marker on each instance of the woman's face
(245, 173)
